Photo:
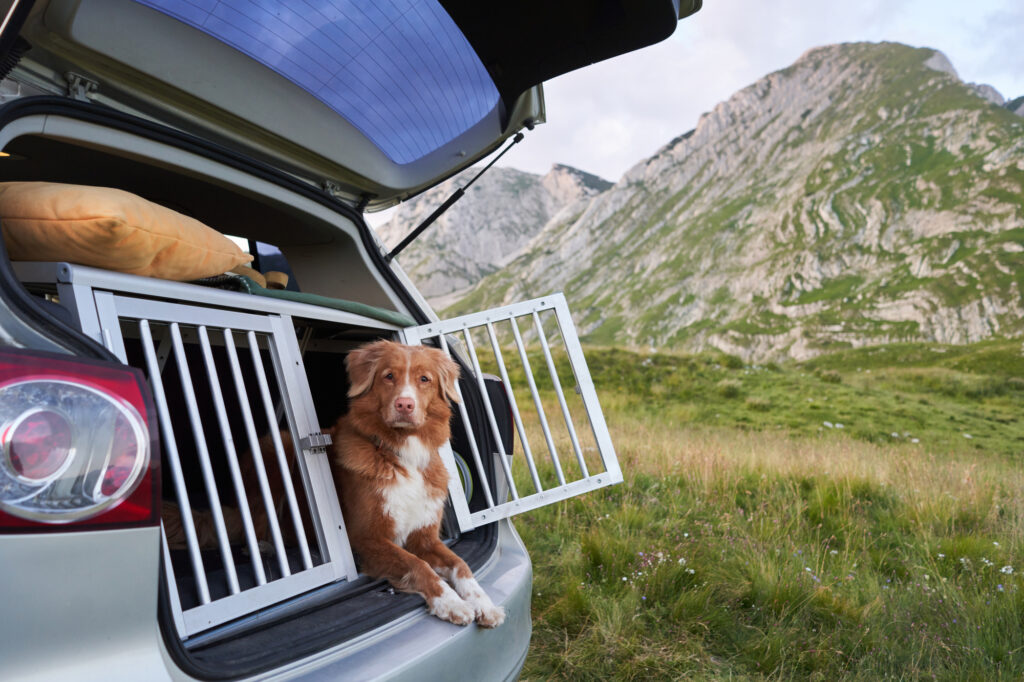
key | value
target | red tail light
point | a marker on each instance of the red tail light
(77, 444)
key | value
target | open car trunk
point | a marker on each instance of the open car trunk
(257, 566)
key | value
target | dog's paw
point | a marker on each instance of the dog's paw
(450, 607)
(489, 615)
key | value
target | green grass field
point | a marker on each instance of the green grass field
(854, 517)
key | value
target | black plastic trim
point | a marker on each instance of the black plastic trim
(12, 45)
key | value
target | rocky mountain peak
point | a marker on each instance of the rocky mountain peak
(862, 195)
(567, 184)
(496, 218)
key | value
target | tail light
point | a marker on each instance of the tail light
(77, 444)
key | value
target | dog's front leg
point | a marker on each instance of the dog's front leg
(452, 568)
(408, 573)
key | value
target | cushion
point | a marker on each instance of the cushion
(112, 229)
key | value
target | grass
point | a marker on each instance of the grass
(751, 541)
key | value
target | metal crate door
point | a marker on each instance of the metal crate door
(538, 332)
(163, 330)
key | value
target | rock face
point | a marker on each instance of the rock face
(863, 195)
(489, 226)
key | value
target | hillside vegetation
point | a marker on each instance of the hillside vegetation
(756, 538)
(864, 195)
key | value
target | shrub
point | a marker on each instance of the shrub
(729, 388)
(759, 404)
(829, 376)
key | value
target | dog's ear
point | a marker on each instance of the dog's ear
(448, 374)
(361, 365)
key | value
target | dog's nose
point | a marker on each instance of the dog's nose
(405, 405)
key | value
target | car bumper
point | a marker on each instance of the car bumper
(83, 606)
(421, 647)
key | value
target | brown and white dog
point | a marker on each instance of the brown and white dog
(392, 483)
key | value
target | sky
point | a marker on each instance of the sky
(607, 117)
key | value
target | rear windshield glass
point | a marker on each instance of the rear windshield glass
(399, 70)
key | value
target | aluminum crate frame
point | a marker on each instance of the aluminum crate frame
(106, 303)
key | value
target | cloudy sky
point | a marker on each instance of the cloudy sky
(606, 117)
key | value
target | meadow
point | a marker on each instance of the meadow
(858, 516)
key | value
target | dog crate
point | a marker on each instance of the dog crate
(258, 522)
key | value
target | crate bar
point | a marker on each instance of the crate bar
(232, 457)
(515, 408)
(537, 500)
(587, 391)
(140, 308)
(171, 450)
(561, 396)
(460, 501)
(110, 326)
(75, 281)
(536, 400)
(282, 462)
(257, 453)
(246, 603)
(204, 458)
(172, 583)
(470, 434)
(502, 456)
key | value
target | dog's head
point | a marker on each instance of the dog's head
(404, 385)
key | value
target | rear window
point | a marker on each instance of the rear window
(399, 71)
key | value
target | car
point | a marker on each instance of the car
(142, 535)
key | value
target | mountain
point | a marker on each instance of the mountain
(491, 224)
(864, 195)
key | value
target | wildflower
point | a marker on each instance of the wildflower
(623, 578)
(1008, 570)
(681, 561)
(926, 576)
(895, 435)
(690, 571)
(967, 435)
(834, 552)
(999, 587)
(941, 555)
(827, 424)
(839, 425)
(915, 440)
(996, 544)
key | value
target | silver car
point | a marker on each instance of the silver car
(142, 535)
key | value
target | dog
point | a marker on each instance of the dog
(391, 481)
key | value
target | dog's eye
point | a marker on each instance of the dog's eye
(424, 378)
(390, 376)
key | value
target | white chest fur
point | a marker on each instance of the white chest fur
(407, 500)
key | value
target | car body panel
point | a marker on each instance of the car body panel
(80, 605)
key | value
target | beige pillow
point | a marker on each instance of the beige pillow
(111, 229)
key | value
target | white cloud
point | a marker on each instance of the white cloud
(609, 116)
